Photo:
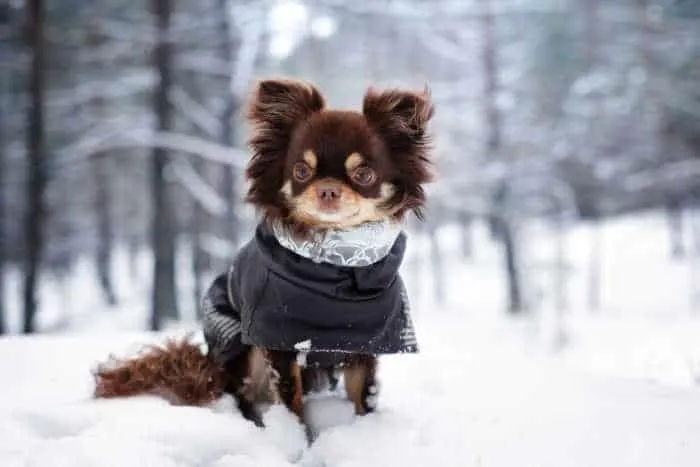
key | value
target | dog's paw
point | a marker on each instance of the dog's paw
(371, 403)
(372, 397)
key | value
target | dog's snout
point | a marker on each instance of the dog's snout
(328, 194)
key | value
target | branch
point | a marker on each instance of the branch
(123, 86)
(127, 139)
(670, 174)
(194, 111)
(201, 191)
(244, 66)
(216, 247)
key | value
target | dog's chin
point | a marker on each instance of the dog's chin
(335, 216)
(328, 219)
(340, 219)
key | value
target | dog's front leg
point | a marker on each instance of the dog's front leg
(361, 382)
(237, 372)
(290, 383)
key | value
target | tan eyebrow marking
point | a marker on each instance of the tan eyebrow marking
(353, 161)
(310, 158)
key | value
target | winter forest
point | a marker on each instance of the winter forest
(563, 227)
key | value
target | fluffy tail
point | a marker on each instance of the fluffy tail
(178, 371)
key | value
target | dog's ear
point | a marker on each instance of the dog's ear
(275, 110)
(283, 103)
(401, 119)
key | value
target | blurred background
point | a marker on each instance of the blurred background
(567, 143)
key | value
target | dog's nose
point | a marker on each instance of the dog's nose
(328, 194)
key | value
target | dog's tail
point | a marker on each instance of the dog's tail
(178, 371)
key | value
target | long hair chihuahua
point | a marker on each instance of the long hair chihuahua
(316, 292)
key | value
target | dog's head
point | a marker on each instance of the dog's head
(318, 168)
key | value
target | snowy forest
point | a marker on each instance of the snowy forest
(554, 283)
(123, 142)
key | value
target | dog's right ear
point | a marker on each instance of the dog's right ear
(275, 110)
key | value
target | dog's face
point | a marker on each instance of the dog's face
(319, 168)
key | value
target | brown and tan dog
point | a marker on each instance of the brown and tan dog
(312, 171)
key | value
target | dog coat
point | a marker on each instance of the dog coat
(336, 293)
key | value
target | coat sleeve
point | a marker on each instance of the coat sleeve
(221, 320)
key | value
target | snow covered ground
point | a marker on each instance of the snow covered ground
(623, 390)
(455, 404)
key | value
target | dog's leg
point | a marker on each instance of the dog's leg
(361, 384)
(290, 385)
(237, 371)
(332, 378)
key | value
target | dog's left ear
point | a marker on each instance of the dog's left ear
(276, 108)
(401, 119)
(283, 103)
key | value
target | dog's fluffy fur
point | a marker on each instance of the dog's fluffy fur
(175, 371)
(300, 150)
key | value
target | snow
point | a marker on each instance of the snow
(454, 404)
(623, 389)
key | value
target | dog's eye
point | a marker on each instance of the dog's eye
(364, 176)
(302, 172)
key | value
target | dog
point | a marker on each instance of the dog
(316, 292)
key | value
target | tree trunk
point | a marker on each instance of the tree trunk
(592, 33)
(515, 302)
(595, 265)
(164, 299)
(199, 257)
(560, 281)
(436, 263)
(105, 229)
(695, 260)
(36, 158)
(229, 192)
(2, 218)
(501, 224)
(674, 212)
(102, 200)
(228, 179)
(4, 93)
(2, 202)
(467, 234)
(494, 119)
(201, 220)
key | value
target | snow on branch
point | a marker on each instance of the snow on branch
(669, 174)
(444, 47)
(177, 142)
(194, 111)
(127, 31)
(201, 191)
(422, 11)
(243, 67)
(216, 247)
(203, 62)
(125, 85)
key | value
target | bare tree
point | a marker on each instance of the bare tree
(501, 223)
(200, 222)
(102, 200)
(4, 95)
(437, 263)
(228, 135)
(35, 218)
(105, 228)
(590, 57)
(164, 299)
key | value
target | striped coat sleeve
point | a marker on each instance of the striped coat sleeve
(221, 320)
(409, 343)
